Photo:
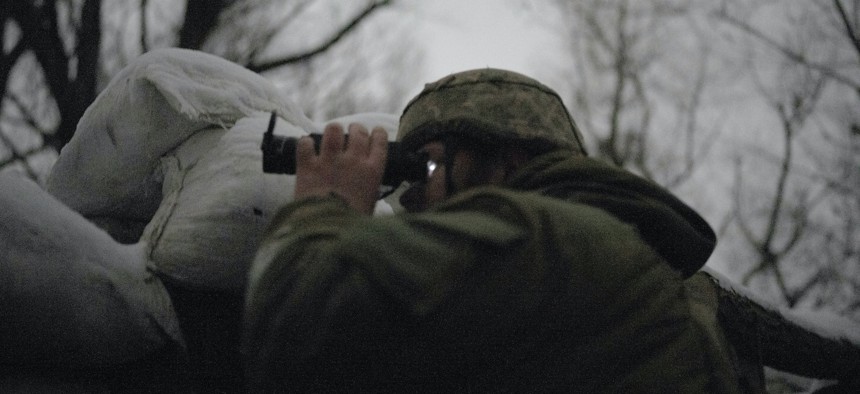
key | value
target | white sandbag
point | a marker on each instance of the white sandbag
(69, 294)
(109, 168)
(217, 202)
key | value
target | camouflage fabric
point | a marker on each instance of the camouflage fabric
(502, 102)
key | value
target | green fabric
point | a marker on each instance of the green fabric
(494, 290)
(671, 227)
(703, 295)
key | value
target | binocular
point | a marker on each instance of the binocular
(279, 157)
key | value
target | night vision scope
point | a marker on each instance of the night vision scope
(279, 157)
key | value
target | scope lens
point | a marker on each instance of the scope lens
(431, 168)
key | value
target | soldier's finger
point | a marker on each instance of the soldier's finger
(358, 139)
(332, 141)
(378, 145)
(305, 151)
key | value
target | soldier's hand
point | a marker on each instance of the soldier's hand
(350, 170)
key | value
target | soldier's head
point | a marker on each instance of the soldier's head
(479, 126)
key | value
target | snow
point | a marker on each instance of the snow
(824, 323)
(69, 292)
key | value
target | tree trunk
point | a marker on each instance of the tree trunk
(83, 87)
(201, 17)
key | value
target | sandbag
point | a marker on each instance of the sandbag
(110, 166)
(163, 149)
(217, 202)
(69, 294)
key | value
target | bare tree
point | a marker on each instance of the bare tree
(653, 83)
(64, 39)
(58, 54)
(355, 68)
(802, 231)
(786, 215)
(346, 70)
(641, 73)
(201, 17)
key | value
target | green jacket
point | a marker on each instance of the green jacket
(563, 281)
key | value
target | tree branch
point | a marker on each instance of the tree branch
(28, 117)
(265, 66)
(144, 30)
(7, 62)
(746, 231)
(788, 53)
(39, 32)
(610, 144)
(200, 18)
(19, 156)
(852, 35)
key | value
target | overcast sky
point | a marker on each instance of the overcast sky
(470, 34)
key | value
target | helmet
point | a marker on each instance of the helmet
(504, 104)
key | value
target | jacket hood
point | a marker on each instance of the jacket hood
(679, 234)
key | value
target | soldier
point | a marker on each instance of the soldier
(521, 265)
